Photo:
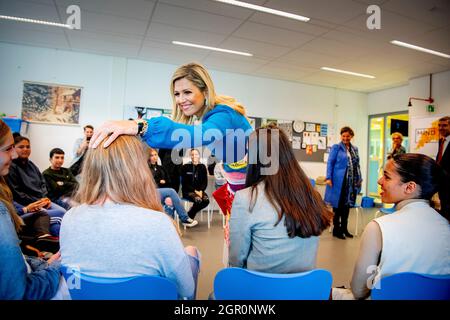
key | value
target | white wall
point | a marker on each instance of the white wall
(112, 83)
(389, 100)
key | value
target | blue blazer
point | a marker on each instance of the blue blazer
(336, 169)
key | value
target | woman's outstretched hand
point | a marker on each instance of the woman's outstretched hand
(113, 129)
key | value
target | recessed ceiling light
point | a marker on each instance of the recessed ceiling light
(411, 46)
(265, 10)
(48, 23)
(348, 72)
(211, 48)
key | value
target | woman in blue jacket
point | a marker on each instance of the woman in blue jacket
(343, 181)
(200, 118)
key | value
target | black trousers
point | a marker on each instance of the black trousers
(199, 203)
(341, 213)
(36, 225)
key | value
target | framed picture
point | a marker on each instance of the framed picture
(51, 103)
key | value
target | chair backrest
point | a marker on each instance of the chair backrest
(412, 286)
(84, 287)
(243, 284)
(367, 202)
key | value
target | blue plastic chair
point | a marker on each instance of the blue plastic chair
(84, 287)
(412, 286)
(243, 284)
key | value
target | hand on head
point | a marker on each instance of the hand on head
(113, 129)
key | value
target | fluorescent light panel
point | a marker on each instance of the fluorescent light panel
(211, 48)
(48, 23)
(265, 10)
(348, 72)
(411, 46)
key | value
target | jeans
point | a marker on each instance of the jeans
(170, 193)
(55, 212)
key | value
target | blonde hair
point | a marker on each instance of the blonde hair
(398, 134)
(199, 76)
(119, 172)
(5, 193)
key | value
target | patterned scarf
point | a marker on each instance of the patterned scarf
(353, 177)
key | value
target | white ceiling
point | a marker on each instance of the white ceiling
(285, 49)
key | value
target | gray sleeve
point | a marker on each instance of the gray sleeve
(175, 261)
(240, 231)
(369, 253)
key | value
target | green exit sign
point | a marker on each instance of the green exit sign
(430, 108)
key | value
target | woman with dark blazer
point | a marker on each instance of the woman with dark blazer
(194, 180)
(343, 181)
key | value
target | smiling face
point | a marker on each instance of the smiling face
(153, 157)
(396, 140)
(393, 189)
(7, 153)
(188, 97)
(195, 157)
(23, 149)
(57, 161)
(346, 137)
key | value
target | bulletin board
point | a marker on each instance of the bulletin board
(311, 141)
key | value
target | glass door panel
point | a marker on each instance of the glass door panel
(376, 153)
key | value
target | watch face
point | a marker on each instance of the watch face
(298, 126)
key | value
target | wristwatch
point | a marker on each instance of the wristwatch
(142, 126)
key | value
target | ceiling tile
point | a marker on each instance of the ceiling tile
(337, 12)
(169, 33)
(33, 37)
(31, 10)
(433, 12)
(268, 34)
(132, 9)
(188, 18)
(258, 49)
(312, 27)
(216, 7)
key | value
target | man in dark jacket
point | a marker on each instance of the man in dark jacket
(60, 181)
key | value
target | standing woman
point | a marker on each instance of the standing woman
(343, 181)
(200, 118)
(397, 148)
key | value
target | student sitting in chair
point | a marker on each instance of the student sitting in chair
(119, 229)
(414, 238)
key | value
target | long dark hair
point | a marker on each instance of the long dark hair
(288, 189)
(425, 172)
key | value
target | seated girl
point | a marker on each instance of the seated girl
(119, 229)
(28, 185)
(276, 220)
(414, 238)
(21, 277)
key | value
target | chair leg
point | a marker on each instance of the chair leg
(209, 213)
(358, 213)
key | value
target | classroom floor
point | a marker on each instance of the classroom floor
(337, 256)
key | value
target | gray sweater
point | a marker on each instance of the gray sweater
(119, 240)
(256, 244)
